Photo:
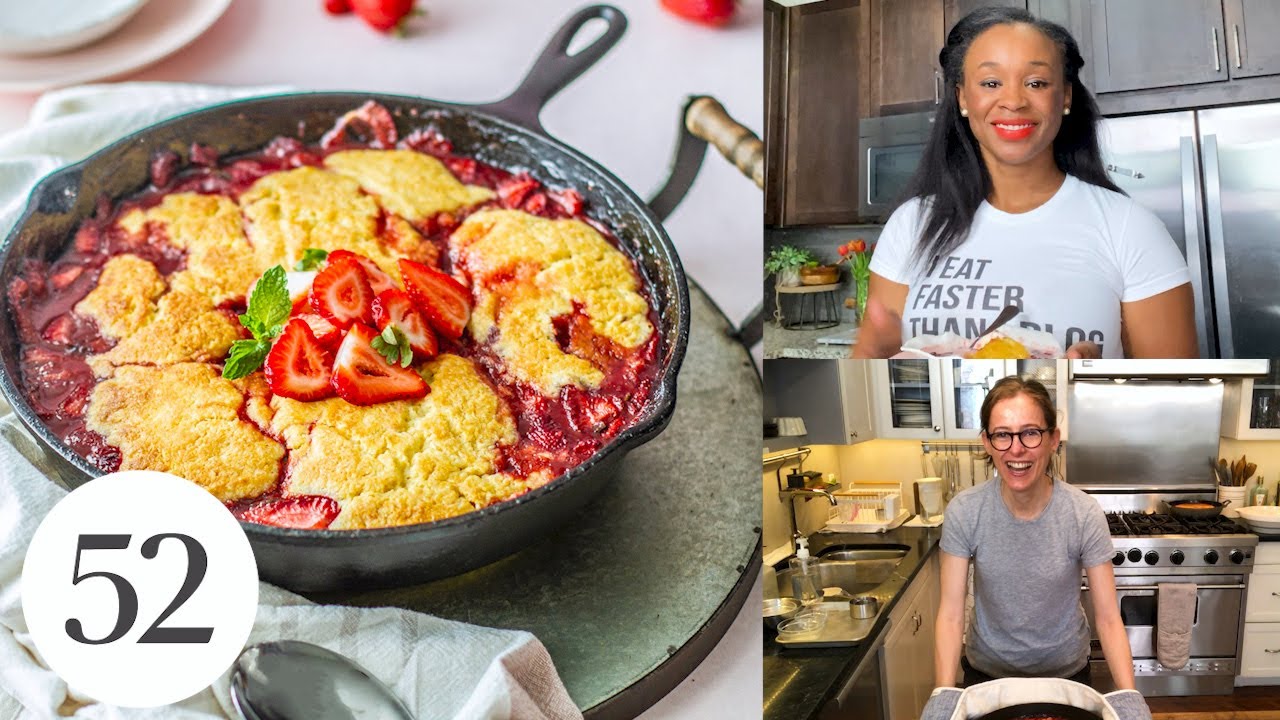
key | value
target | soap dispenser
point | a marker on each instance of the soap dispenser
(804, 575)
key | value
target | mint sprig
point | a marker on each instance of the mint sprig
(311, 259)
(268, 310)
(393, 345)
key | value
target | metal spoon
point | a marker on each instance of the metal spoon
(1005, 316)
(292, 680)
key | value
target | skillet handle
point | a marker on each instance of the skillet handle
(555, 68)
(707, 119)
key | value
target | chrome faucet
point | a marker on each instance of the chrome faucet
(789, 495)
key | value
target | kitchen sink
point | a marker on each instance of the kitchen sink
(854, 570)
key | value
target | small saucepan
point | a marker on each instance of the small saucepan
(1041, 710)
(1196, 509)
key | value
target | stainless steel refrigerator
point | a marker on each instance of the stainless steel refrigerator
(1213, 178)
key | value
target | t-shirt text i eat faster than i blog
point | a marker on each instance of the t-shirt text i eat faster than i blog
(1067, 264)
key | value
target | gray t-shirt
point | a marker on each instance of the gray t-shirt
(1028, 620)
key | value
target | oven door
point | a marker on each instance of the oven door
(1214, 629)
(1215, 635)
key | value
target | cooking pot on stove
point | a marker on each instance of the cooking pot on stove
(1196, 509)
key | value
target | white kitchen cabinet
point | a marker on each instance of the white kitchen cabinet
(1251, 407)
(855, 397)
(1260, 655)
(942, 399)
(908, 649)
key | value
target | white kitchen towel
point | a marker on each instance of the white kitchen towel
(987, 697)
(1175, 612)
(439, 668)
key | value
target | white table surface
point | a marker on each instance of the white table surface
(623, 113)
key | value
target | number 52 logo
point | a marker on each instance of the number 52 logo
(139, 624)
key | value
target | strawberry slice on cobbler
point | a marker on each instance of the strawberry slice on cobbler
(393, 307)
(363, 377)
(298, 365)
(341, 293)
(379, 281)
(325, 332)
(445, 301)
(304, 512)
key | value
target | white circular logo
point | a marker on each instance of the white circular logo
(139, 589)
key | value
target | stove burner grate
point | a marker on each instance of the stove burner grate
(1145, 524)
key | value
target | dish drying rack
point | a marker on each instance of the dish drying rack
(870, 504)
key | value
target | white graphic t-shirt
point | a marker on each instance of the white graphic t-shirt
(1068, 264)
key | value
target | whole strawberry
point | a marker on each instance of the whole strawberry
(707, 12)
(384, 15)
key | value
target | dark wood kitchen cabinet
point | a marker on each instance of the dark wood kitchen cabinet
(1252, 28)
(815, 83)
(904, 39)
(1140, 44)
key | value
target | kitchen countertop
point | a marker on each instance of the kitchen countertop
(623, 113)
(799, 681)
(803, 344)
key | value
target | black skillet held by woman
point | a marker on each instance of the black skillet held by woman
(1011, 205)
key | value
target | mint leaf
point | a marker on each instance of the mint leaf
(393, 345)
(311, 259)
(269, 305)
(245, 357)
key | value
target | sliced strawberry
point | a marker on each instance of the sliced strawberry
(363, 377)
(445, 301)
(298, 366)
(513, 190)
(378, 280)
(393, 307)
(341, 293)
(326, 333)
(303, 512)
(569, 200)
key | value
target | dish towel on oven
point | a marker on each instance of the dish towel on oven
(439, 668)
(1175, 611)
(987, 697)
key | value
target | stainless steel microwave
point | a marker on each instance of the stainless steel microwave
(889, 151)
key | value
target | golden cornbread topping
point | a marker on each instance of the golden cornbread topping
(357, 334)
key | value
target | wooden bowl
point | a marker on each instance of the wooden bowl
(820, 275)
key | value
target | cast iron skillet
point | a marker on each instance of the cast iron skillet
(1052, 709)
(1178, 508)
(506, 134)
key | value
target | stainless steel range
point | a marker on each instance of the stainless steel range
(1153, 548)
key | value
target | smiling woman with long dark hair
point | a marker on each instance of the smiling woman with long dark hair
(1011, 205)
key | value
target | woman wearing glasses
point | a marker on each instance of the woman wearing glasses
(1028, 536)
(1011, 205)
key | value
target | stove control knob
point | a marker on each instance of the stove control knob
(1152, 557)
(1176, 557)
(1135, 555)
(1237, 557)
(1211, 557)
(1118, 559)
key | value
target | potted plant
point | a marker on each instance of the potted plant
(785, 262)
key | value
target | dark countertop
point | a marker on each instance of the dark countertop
(799, 681)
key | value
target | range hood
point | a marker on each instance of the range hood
(1168, 369)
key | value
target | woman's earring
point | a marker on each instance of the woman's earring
(1066, 111)
(964, 113)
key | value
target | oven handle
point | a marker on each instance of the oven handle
(1124, 588)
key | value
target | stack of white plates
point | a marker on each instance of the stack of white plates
(906, 371)
(1262, 519)
(909, 412)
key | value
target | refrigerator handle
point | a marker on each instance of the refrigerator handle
(1194, 233)
(1217, 245)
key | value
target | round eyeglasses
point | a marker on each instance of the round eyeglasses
(1030, 438)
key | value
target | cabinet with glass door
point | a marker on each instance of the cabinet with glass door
(942, 398)
(1251, 407)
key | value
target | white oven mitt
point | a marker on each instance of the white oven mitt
(439, 668)
(984, 698)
